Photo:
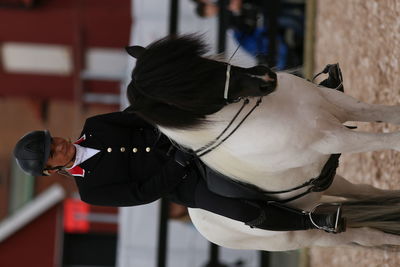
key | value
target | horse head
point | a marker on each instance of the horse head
(173, 85)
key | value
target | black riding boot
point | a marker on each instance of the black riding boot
(278, 217)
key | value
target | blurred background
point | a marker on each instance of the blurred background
(62, 61)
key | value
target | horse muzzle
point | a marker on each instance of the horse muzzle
(270, 83)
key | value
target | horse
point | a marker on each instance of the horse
(285, 129)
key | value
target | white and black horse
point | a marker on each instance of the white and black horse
(281, 143)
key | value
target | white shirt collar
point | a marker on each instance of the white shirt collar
(82, 154)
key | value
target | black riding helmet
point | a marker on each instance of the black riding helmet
(32, 152)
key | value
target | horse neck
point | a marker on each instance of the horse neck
(193, 138)
(200, 135)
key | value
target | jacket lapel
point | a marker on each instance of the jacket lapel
(77, 171)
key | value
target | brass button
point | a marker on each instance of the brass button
(122, 149)
(148, 149)
(109, 150)
(134, 150)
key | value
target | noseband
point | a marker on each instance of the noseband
(228, 77)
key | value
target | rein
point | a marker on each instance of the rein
(212, 145)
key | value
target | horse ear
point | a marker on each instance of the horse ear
(135, 51)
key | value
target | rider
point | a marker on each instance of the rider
(120, 160)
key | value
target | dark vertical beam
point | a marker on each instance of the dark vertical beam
(271, 10)
(162, 234)
(264, 258)
(213, 260)
(173, 17)
(222, 25)
(163, 224)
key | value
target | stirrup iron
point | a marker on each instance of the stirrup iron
(336, 228)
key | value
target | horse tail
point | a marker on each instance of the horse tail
(378, 212)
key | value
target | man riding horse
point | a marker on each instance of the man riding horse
(120, 160)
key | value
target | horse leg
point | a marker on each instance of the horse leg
(351, 109)
(236, 235)
(362, 236)
(339, 139)
(343, 188)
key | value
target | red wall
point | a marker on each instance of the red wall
(76, 23)
(36, 244)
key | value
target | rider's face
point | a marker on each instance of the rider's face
(62, 153)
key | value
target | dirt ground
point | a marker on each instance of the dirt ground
(364, 37)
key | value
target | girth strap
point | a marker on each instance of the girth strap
(225, 186)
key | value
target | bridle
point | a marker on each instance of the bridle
(219, 140)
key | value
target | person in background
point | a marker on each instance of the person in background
(255, 23)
